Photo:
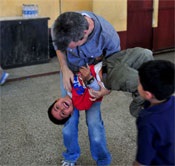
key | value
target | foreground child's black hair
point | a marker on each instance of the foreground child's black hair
(158, 77)
(54, 120)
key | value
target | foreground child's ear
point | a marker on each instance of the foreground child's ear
(148, 95)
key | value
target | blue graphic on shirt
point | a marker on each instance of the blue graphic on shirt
(77, 86)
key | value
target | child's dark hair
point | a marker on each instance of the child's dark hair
(157, 77)
(54, 120)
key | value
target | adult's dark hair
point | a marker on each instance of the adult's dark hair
(157, 77)
(54, 120)
(69, 26)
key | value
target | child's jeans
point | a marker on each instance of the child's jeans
(96, 132)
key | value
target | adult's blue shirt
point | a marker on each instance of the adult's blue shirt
(104, 40)
(156, 134)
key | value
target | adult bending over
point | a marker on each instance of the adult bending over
(79, 38)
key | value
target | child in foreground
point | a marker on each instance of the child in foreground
(155, 123)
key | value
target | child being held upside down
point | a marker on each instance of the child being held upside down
(116, 72)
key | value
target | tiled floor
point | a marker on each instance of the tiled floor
(28, 138)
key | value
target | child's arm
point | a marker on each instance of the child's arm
(80, 95)
(94, 85)
(88, 79)
(96, 94)
(97, 89)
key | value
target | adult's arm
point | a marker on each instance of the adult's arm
(67, 73)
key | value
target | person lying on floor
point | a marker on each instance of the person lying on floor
(116, 72)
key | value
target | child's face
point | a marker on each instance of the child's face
(62, 108)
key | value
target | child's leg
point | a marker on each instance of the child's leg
(135, 57)
(122, 77)
(122, 68)
(122, 73)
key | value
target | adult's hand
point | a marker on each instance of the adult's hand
(98, 94)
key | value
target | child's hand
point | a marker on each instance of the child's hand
(98, 94)
(85, 73)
